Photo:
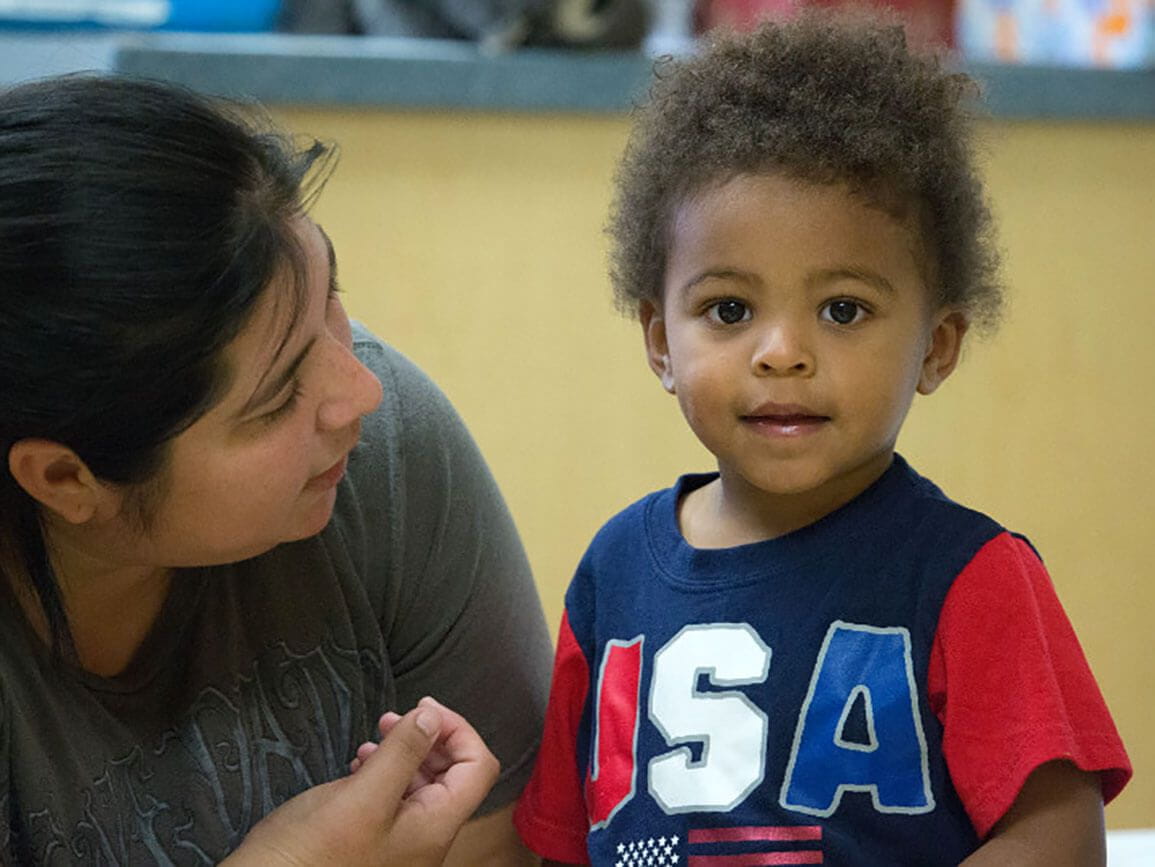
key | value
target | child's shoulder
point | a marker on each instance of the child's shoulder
(929, 527)
(632, 529)
(656, 507)
(628, 546)
(927, 503)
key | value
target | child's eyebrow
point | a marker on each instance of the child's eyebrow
(853, 272)
(720, 274)
(814, 280)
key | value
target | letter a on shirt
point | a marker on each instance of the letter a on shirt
(863, 668)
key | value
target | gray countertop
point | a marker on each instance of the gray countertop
(406, 73)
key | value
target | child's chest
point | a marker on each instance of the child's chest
(767, 722)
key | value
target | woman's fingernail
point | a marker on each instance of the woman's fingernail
(428, 721)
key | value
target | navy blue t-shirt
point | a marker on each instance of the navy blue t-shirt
(769, 700)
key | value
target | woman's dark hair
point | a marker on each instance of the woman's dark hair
(822, 98)
(139, 224)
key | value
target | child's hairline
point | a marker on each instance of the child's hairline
(778, 97)
(674, 200)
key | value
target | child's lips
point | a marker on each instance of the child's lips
(788, 420)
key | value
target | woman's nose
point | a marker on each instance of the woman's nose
(353, 391)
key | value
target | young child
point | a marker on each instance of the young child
(812, 655)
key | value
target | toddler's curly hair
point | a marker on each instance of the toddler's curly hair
(821, 98)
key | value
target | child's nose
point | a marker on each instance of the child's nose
(782, 348)
(354, 391)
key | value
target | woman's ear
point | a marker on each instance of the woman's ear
(657, 348)
(942, 354)
(56, 477)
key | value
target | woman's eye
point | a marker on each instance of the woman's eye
(285, 408)
(729, 312)
(843, 312)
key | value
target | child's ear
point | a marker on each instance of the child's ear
(942, 352)
(657, 349)
(55, 476)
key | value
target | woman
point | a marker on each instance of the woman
(234, 530)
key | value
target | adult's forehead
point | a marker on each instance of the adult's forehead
(269, 342)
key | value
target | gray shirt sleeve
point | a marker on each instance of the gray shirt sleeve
(460, 613)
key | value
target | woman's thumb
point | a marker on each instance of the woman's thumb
(400, 754)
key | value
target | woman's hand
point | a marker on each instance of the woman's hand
(407, 799)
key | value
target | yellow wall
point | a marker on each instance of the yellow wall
(473, 243)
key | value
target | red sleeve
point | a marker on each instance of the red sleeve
(1011, 687)
(551, 814)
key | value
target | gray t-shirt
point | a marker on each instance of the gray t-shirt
(260, 679)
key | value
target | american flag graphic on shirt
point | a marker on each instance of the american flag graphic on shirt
(751, 846)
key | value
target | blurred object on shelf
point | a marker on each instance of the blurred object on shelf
(1103, 33)
(1006, 31)
(594, 23)
(928, 22)
(501, 25)
(495, 24)
(330, 17)
(198, 15)
(672, 27)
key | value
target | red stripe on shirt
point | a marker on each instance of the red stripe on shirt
(755, 859)
(768, 832)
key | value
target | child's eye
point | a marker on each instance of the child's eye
(728, 312)
(844, 312)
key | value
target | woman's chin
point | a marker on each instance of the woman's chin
(317, 520)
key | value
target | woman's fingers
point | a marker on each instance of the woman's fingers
(457, 762)
(387, 721)
(466, 768)
(409, 797)
(386, 769)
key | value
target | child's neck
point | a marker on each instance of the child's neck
(726, 513)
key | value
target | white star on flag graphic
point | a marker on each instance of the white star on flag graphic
(648, 852)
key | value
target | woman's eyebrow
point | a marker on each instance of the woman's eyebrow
(270, 388)
(332, 255)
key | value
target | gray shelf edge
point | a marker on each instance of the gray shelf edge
(385, 72)
(415, 74)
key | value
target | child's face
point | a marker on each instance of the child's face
(795, 328)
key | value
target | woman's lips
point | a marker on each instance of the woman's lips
(330, 477)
